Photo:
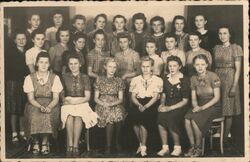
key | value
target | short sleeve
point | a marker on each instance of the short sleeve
(121, 85)
(237, 52)
(57, 85)
(158, 85)
(193, 83)
(28, 85)
(185, 88)
(215, 81)
(86, 83)
(133, 87)
(28, 58)
(209, 57)
(47, 34)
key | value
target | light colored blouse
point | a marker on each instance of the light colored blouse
(146, 88)
(31, 54)
(176, 52)
(158, 64)
(28, 84)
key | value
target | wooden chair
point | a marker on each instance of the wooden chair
(213, 127)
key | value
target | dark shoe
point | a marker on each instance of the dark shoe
(69, 151)
(76, 152)
(190, 152)
(197, 152)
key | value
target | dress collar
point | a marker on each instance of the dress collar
(179, 77)
(41, 80)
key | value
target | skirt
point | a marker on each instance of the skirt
(172, 119)
(204, 118)
(81, 110)
(37, 122)
(15, 98)
(146, 118)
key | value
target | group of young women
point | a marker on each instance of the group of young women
(150, 78)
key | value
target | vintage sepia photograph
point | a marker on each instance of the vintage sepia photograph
(124, 81)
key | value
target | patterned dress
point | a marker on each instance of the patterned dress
(109, 89)
(174, 94)
(204, 90)
(37, 122)
(225, 58)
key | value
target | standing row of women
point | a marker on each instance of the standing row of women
(146, 80)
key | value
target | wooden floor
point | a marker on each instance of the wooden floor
(97, 150)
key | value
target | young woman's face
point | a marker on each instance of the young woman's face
(200, 66)
(139, 24)
(157, 26)
(224, 35)
(80, 43)
(194, 41)
(170, 43)
(43, 64)
(179, 25)
(111, 68)
(146, 67)
(173, 67)
(74, 65)
(34, 21)
(200, 22)
(100, 23)
(64, 36)
(21, 40)
(124, 43)
(39, 40)
(79, 24)
(150, 48)
(119, 24)
(99, 40)
(58, 19)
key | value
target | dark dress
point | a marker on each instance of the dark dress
(144, 90)
(139, 40)
(204, 90)
(160, 43)
(15, 72)
(208, 41)
(174, 94)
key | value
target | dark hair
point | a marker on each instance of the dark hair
(78, 35)
(59, 12)
(37, 31)
(140, 16)
(157, 18)
(41, 55)
(170, 35)
(119, 16)
(99, 31)
(200, 14)
(151, 40)
(174, 58)
(72, 55)
(123, 35)
(230, 30)
(100, 15)
(76, 17)
(173, 30)
(19, 31)
(201, 56)
(62, 28)
(147, 58)
(32, 14)
(196, 33)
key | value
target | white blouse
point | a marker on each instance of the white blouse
(146, 88)
(28, 84)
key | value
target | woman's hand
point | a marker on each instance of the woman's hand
(232, 91)
(197, 109)
(47, 109)
(42, 108)
(141, 108)
(105, 104)
(161, 108)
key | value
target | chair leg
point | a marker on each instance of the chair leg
(87, 139)
(211, 138)
(203, 145)
(221, 137)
